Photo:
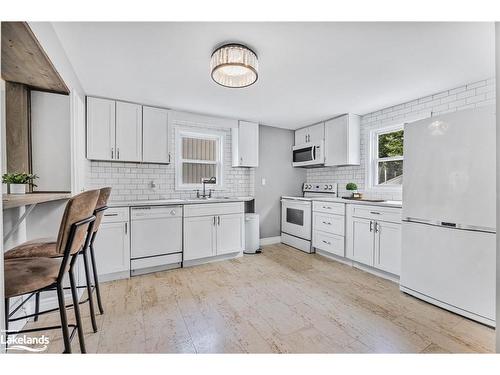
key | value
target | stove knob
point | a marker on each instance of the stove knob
(330, 187)
(326, 187)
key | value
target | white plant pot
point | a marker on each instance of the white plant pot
(17, 188)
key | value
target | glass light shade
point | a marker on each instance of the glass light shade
(234, 65)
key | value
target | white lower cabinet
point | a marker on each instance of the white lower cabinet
(213, 229)
(199, 237)
(329, 228)
(112, 245)
(372, 241)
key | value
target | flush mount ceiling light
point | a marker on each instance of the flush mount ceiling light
(234, 65)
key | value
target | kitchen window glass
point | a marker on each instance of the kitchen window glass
(198, 156)
(387, 157)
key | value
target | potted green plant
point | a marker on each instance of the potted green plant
(16, 182)
(353, 188)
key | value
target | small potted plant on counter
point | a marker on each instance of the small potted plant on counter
(353, 188)
(16, 182)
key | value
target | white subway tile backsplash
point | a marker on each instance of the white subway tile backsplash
(472, 95)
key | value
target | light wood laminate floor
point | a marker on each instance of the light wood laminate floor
(281, 301)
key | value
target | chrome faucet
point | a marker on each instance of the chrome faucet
(204, 181)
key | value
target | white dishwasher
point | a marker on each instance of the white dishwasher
(156, 238)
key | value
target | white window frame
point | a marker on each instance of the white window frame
(204, 134)
(373, 160)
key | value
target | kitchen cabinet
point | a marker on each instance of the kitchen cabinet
(100, 129)
(128, 132)
(329, 227)
(342, 141)
(213, 229)
(245, 144)
(199, 237)
(373, 237)
(112, 245)
(311, 134)
(155, 146)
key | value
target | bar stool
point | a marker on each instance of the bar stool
(47, 248)
(34, 275)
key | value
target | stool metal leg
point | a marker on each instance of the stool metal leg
(37, 305)
(89, 290)
(76, 307)
(96, 279)
(64, 318)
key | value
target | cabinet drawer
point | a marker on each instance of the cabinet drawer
(209, 209)
(115, 215)
(333, 224)
(377, 213)
(330, 243)
(329, 207)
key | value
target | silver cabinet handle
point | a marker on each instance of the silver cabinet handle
(377, 227)
(328, 243)
(126, 228)
(327, 207)
(169, 156)
(327, 223)
(375, 212)
(118, 153)
(214, 220)
(112, 153)
(110, 214)
(371, 225)
(218, 220)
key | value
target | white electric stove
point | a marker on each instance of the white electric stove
(296, 214)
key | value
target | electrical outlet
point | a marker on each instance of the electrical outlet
(263, 181)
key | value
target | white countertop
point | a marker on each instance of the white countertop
(167, 202)
(393, 204)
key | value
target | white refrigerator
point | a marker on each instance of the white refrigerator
(448, 248)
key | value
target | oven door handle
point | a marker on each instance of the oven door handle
(313, 153)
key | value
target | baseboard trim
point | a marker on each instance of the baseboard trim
(269, 240)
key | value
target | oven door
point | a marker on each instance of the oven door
(296, 218)
(307, 154)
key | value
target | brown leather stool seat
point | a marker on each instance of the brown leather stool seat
(39, 248)
(23, 275)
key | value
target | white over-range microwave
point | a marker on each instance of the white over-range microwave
(308, 155)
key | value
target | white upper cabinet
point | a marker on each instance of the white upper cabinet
(100, 129)
(128, 132)
(245, 144)
(155, 135)
(342, 142)
(310, 134)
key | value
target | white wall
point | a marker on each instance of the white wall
(463, 97)
(50, 141)
(497, 44)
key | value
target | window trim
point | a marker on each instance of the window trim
(199, 133)
(373, 159)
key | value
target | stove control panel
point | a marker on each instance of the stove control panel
(323, 187)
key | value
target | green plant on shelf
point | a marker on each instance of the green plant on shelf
(351, 186)
(19, 178)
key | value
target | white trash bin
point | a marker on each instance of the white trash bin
(252, 237)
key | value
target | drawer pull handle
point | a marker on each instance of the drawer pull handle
(110, 214)
(375, 212)
(328, 243)
(327, 223)
(327, 207)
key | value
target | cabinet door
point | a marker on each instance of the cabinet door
(155, 135)
(248, 144)
(229, 233)
(316, 133)
(342, 144)
(199, 237)
(112, 248)
(100, 129)
(128, 132)
(362, 238)
(388, 247)
(301, 136)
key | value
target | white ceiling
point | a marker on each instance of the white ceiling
(308, 71)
